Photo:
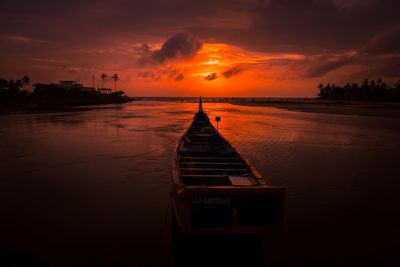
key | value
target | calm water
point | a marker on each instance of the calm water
(81, 188)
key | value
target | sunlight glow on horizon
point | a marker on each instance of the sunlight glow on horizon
(218, 69)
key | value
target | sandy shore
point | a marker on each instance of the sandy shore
(391, 110)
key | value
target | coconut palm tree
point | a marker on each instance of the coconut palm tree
(26, 80)
(115, 78)
(103, 76)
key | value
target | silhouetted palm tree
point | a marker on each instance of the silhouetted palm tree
(115, 78)
(26, 80)
(19, 84)
(103, 76)
(3, 83)
(368, 91)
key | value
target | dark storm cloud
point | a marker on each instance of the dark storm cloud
(382, 67)
(177, 47)
(180, 46)
(90, 21)
(387, 41)
(389, 67)
(180, 77)
(307, 24)
(211, 76)
(274, 25)
(320, 29)
(324, 65)
(231, 72)
(310, 27)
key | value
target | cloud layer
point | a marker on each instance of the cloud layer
(180, 46)
(159, 40)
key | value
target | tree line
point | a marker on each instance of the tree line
(14, 93)
(14, 88)
(368, 91)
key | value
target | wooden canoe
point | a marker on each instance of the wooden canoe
(216, 190)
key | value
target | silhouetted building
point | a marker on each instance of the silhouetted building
(88, 89)
(104, 90)
(68, 84)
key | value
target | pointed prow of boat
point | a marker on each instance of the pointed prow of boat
(216, 190)
(200, 106)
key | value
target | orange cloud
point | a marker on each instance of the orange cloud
(217, 68)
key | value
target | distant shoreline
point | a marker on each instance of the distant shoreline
(307, 104)
(388, 110)
(59, 104)
(310, 105)
(52, 97)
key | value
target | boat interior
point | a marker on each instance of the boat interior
(206, 159)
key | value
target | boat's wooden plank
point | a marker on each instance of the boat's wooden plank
(207, 153)
(191, 139)
(204, 175)
(215, 165)
(198, 157)
(197, 131)
(198, 136)
(206, 180)
(198, 168)
(201, 181)
(212, 171)
(221, 160)
(197, 140)
(196, 143)
(195, 149)
(190, 143)
(209, 158)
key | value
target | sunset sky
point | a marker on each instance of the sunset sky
(207, 47)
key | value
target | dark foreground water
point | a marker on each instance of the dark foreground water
(81, 188)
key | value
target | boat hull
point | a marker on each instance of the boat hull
(216, 190)
(217, 211)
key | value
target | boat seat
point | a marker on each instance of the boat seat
(203, 135)
(241, 180)
(194, 143)
(192, 152)
(205, 176)
(213, 159)
(214, 171)
(196, 149)
(206, 180)
(216, 165)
